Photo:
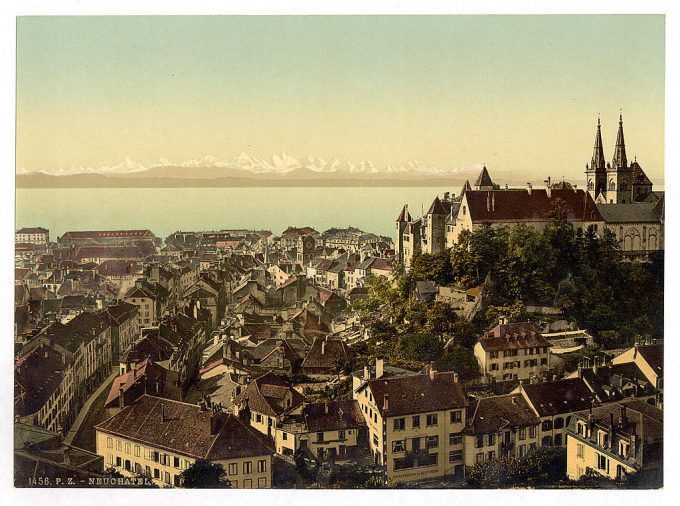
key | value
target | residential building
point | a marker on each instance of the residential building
(32, 235)
(265, 401)
(499, 426)
(513, 351)
(616, 440)
(648, 358)
(555, 402)
(159, 438)
(413, 422)
(333, 431)
(152, 300)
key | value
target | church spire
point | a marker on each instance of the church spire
(598, 153)
(620, 150)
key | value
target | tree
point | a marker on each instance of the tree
(547, 464)
(420, 346)
(205, 474)
(460, 360)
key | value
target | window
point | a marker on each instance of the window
(544, 361)
(546, 441)
(247, 467)
(493, 367)
(431, 420)
(602, 439)
(456, 438)
(261, 466)
(258, 418)
(399, 423)
(147, 471)
(479, 441)
(403, 463)
(137, 449)
(109, 442)
(415, 421)
(491, 454)
(119, 462)
(455, 456)
(579, 450)
(490, 439)
(156, 473)
(176, 462)
(456, 416)
(522, 450)
(398, 446)
(493, 354)
(167, 477)
(285, 436)
(479, 458)
(602, 462)
(233, 469)
(581, 428)
(319, 437)
(341, 434)
(522, 433)
(547, 425)
(558, 439)
(262, 483)
(559, 423)
(109, 459)
(119, 446)
(432, 442)
(624, 448)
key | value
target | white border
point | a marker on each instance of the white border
(9, 11)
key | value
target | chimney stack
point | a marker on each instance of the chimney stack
(366, 373)
(379, 368)
(529, 188)
(432, 371)
(455, 377)
(121, 400)
(323, 346)
(386, 402)
(325, 408)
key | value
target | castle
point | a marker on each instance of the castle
(618, 196)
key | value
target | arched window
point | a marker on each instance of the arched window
(590, 184)
(612, 185)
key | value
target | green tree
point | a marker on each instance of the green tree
(205, 474)
(420, 346)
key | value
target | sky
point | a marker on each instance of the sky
(519, 93)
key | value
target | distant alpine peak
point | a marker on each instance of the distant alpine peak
(278, 164)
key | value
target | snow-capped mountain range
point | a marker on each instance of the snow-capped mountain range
(278, 165)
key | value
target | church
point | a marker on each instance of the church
(618, 197)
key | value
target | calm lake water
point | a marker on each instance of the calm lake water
(165, 210)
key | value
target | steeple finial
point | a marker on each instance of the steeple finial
(620, 159)
(598, 152)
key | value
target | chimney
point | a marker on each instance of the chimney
(121, 400)
(323, 346)
(455, 377)
(379, 368)
(325, 408)
(386, 402)
(432, 371)
(529, 188)
(367, 374)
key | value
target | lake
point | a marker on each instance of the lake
(165, 210)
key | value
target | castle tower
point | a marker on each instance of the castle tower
(484, 182)
(434, 237)
(596, 172)
(619, 173)
(402, 220)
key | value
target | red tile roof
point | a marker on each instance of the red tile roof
(511, 336)
(417, 393)
(520, 206)
(265, 393)
(184, 429)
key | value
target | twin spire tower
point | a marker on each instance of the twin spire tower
(615, 182)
